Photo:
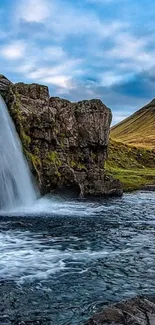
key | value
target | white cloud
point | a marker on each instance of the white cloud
(60, 75)
(54, 65)
(61, 21)
(33, 10)
(68, 22)
(59, 81)
(70, 33)
(133, 52)
(110, 78)
(25, 68)
(69, 66)
(54, 53)
(13, 51)
(127, 46)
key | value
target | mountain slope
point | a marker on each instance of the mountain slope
(131, 157)
(138, 129)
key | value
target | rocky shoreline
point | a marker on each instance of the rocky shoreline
(65, 143)
(137, 311)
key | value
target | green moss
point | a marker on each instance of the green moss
(94, 156)
(81, 166)
(72, 163)
(36, 151)
(62, 135)
(33, 159)
(57, 173)
(62, 145)
(26, 139)
(56, 130)
(53, 157)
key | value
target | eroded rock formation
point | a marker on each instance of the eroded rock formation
(138, 311)
(66, 143)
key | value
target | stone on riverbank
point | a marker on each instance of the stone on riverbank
(138, 311)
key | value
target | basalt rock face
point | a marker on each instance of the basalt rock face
(138, 311)
(66, 143)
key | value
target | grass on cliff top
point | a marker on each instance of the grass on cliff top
(134, 167)
(138, 129)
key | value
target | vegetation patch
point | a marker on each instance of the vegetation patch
(35, 160)
(134, 167)
(53, 157)
(81, 166)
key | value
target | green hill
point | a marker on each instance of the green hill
(134, 167)
(131, 156)
(138, 129)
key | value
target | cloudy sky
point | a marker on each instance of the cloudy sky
(82, 49)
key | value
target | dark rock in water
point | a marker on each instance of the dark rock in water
(66, 143)
(138, 311)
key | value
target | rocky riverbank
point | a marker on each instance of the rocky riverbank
(65, 143)
(138, 311)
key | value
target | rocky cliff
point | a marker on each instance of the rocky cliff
(65, 143)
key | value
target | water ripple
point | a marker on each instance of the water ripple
(63, 259)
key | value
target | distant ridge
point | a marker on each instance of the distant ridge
(138, 129)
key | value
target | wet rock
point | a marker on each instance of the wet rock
(65, 143)
(138, 311)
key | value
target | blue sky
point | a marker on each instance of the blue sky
(82, 49)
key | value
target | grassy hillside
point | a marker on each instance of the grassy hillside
(134, 167)
(138, 129)
(132, 149)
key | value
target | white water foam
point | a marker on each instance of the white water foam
(24, 258)
(53, 206)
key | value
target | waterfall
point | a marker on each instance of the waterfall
(16, 187)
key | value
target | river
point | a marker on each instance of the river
(61, 261)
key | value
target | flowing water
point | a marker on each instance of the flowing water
(60, 261)
(16, 186)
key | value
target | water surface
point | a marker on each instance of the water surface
(60, 261)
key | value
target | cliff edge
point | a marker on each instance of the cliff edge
(65, 143)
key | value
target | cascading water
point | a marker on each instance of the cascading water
(16, 187)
